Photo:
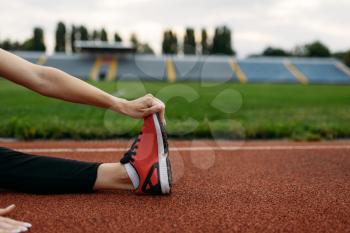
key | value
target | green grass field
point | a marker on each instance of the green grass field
(213, 110)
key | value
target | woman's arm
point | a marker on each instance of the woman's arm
(57, 84)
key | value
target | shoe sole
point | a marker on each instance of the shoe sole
(165, 175)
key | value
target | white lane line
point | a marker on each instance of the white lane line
(205, 148)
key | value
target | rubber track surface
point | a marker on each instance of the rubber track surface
(214, 191)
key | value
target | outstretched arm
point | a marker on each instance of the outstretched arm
(57, 84)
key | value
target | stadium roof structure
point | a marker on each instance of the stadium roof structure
(103, 47)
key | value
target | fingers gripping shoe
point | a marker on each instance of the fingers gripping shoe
(147, 161)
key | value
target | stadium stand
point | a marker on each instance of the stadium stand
(103, 71)
(196, 68)
(32, 57)
(323, 71)
(203, 68)
(77, 65)
(266, 70)
(187, 67)
(217, 68)
(141, 67)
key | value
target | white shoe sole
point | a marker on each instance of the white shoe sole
(164, 176)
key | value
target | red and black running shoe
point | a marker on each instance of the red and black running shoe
(147, 161)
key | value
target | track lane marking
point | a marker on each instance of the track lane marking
(208, 148)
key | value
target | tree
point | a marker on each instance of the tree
(16, 45)
(83, 33)
(36, 43)
(222, 41)
(96, 35)
(189, 46)
(104, 36)
(73, 35)
(339, 55)
(117, 37)
(6, 45)
(27, 45)
(134, 41)
(169, 45)
(317, 49)
(60, 38)
(273, 52)
(204, 42)
(38, 40)
(343, 56)
(299, 51)
(346, 58)
(9, 45)
(145, 48)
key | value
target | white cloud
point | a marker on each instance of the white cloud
(255, 23)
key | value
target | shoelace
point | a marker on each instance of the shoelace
(128, 156)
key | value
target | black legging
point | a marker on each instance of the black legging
(40, 174)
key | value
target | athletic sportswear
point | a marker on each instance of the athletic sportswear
(40, 174)
(147, 161)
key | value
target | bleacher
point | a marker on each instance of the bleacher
(77, 65)
(266, 71)
(198, 68)
(32, 57)
(187, 68)
(141, 67)
(203, 68)
(217, 68)
(324, 71)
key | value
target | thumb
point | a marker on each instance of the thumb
(7, 210)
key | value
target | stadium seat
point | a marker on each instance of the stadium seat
(266, 71)
(143, 67)
(195, 68)
(322, 72)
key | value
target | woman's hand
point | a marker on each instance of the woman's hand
(8, 225)
(143, 107)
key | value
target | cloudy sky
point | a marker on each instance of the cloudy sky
(255, 23)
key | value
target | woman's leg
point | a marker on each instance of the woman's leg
(112, 176)
(41, 174)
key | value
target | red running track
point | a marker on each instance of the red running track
(268, 186)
